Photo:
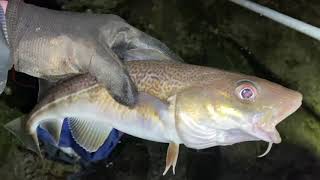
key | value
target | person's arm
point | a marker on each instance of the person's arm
(56, 44)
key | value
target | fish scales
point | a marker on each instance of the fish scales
(163, 79)
(160, 79)
(65, 88)
(178, 103)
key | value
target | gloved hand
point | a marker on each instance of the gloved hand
(53, 44)
(68, 146)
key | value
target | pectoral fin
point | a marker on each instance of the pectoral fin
(89, 134)
(172, 157)
(172, 103)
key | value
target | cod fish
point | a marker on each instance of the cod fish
(199, 107)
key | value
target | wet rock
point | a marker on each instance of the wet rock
(220, 34)
(289, 55)
(26, 165)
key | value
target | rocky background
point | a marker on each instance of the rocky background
(213, 33)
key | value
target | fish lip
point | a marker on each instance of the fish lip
(268, 134)
(272, 136)
(294, 107)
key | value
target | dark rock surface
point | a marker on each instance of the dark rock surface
(214, 33)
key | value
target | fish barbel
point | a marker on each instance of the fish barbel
(199, 107)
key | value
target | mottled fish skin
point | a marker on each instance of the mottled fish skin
(157, 78)
(66, 88)
(178, 103)
(163, 79)
(62, 90)
(64, 98)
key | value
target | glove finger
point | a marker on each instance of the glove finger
(110, 72)
(149, 48)
(129, 43)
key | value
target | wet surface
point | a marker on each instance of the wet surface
(216, 34)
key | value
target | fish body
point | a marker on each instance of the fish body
(91, 102)
(197, 106)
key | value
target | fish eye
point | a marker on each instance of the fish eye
(246, 91)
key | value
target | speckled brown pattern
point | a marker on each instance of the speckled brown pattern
(158, 78)
(163, 79)
(66, 88)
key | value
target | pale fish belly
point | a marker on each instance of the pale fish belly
(149, 120)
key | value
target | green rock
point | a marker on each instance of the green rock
(7, 143)
(17, 163)
(289, 55)
(303, 130)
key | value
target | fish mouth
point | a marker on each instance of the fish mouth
(271, 136)
(286, 111)
(267, 131)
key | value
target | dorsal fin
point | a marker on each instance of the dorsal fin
(89, 134)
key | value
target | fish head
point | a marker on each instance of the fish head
(233, 109)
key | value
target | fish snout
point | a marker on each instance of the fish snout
(296, 102)
(283, 103)
(288, 105)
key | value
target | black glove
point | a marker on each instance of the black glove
(54, 44)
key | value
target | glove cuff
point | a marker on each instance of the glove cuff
(11, 19)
